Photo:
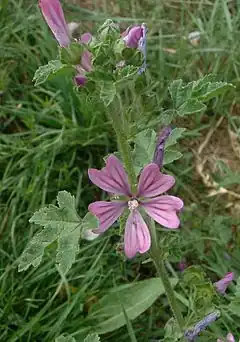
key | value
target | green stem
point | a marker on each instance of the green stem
(123, 144)
(162, 273)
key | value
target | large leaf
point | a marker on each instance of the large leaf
(189, 98)
(174, 136)
(170, 156)
(61, 224)
(145, 144)
(134, 298)
(180, 93)
(191, 106)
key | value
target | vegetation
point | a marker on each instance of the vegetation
(50, 137)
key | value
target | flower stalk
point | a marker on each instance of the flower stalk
(162, 273)
(122, 140)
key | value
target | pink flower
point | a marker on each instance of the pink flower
(223, 283)
(53, 14)
(229, 338)
(163, 209)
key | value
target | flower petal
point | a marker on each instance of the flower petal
(137, 237)
(107, 213)
(132, 36)
(152, 182)
(86, 60)
(53, 14)
(112, 178)
(223, 283)
(86, 38)
(163, 209)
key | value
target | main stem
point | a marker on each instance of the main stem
(123, 145)
(162, 273)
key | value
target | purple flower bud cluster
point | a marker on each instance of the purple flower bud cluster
(134, 37)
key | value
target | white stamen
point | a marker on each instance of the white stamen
(133, 204)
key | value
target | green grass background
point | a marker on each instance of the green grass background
(49, 137)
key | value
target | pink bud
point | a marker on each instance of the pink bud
(223, 283)
(53, 14)
(80, 80)
(132, 36)
(230, 338)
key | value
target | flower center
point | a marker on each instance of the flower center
(133, 204)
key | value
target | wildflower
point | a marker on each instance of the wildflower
(163, 209)
(229, 338)
(159, 150)
(136, 37)
(53, 14)
(223, 283)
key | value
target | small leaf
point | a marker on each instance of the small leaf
(135, 298)
(174, 136)
(191, 106)
(170, 156)
(60, 223)
(107, 92)
(65, 338)
(43, 73)
(92, 338)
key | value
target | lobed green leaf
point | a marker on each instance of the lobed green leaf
(61, 224)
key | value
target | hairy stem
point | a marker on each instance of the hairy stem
(162, 273)
(122, 139)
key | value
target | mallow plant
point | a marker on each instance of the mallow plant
(110, 68)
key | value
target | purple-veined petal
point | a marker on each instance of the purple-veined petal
(152, 182)
(132, 36)
(54, 16)
(137, 237)
(230, 338)
(107, 213)
(112, 178)
(163, 209)
(223, 283)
